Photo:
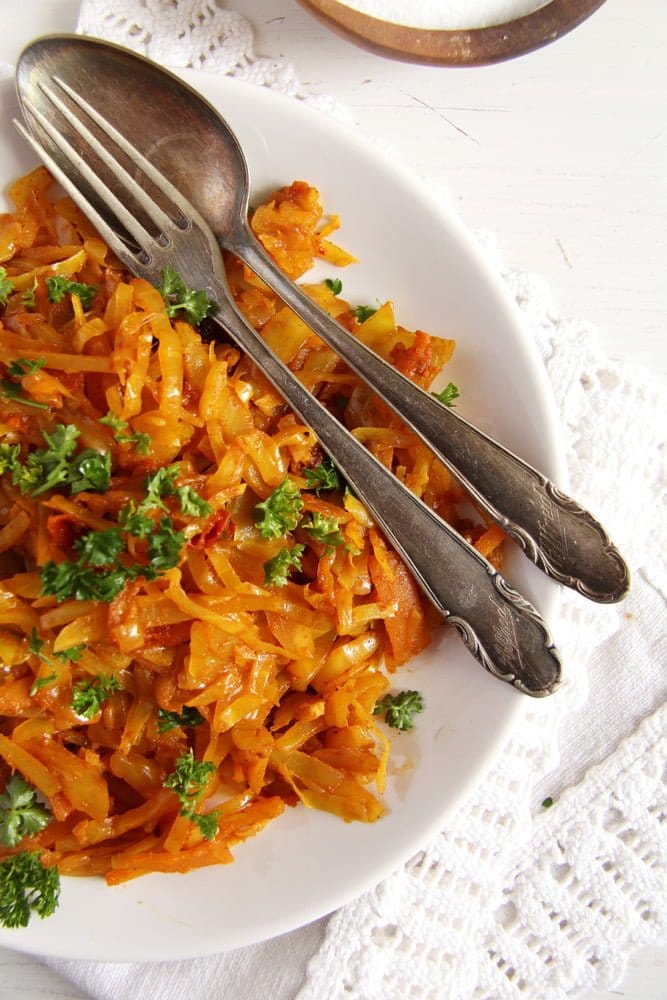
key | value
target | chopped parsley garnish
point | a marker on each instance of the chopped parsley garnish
(24, 366)
(171, 720)
(71, 655)
(100, 548)
(324, 529)
(135, 521)
(6, 286)
(139, 439)
(362, 313)
(12, 390)
(448, 394)
(277, 570)
(548, 802)
(188, 781)
(88, 696)
(9, 456)
(28, 296)
(164, 545)
(35, 645)
(280, 512)
(57, 465)
(190, 503)
(42, 682)
(84, 583)
(177, 296)
(26, 885)
(399, 709)
(334, 284)
(21, 815)
(161, 484)
(58, 287)
(324, 476)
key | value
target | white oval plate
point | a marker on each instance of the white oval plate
(306, 864)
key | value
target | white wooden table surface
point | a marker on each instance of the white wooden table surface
(562, 154)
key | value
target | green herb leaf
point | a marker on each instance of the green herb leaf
(101, 548)
(548, 802)
(335, 284)
(28, 296)
(135, 521)
(139, 439)
(448, 394)
(188, 781)
(324, 476)
(164, 545)
(177, 296)
(171, 720)
(58, 287)
(71, 655)
(399, 709)
(9, 457)
(91, 471)
(324, 529)
(191, 503)
(12, 390)
(26, 885)
(362, 313)
(88, 696)
(42, 682)
(21, 815)
(47, 468)
(6, 286)
(207, 823)
(276, 570)
(161, 484)
(24, 366)
(280, 512)
(85, 583)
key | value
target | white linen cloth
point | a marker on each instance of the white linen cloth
(512, 900)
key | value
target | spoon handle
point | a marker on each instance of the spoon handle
(558, 535)
(499, 627)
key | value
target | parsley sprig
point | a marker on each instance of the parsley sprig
(6, 286)
(122, 434)
(21, 815)
(324, 476)
(88, 696)
(276, 570)
(188, 781)
(325, 529)
(178, 297)
(58, 465)
(448, 394)
(190, 716)
(281, 511)
(399, 709)
(58, 287)
(27, 886)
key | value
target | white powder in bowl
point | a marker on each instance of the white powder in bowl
(446, 15)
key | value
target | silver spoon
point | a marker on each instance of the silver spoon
(164, 118)
(150, 226)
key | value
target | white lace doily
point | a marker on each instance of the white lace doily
(513, 900)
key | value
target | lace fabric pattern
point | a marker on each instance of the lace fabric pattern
(513, 900)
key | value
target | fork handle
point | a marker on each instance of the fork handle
(558, 535)
(499, 627)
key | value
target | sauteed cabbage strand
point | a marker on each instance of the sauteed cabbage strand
(197, 618)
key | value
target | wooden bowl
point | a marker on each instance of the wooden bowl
(472, 47)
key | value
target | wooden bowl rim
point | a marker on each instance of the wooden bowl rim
(470, 47)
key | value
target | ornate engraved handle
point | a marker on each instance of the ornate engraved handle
(563, 539)
(500, 628)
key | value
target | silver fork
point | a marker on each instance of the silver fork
(499, 626)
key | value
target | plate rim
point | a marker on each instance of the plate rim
(39, 944)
